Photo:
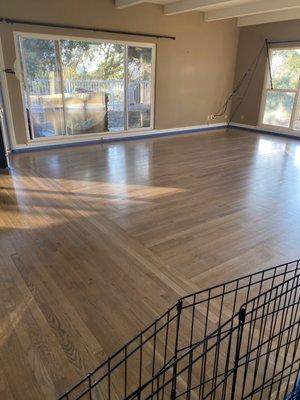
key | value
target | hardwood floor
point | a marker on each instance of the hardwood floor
(98, 240)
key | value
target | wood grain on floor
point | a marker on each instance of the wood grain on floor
(97, 241)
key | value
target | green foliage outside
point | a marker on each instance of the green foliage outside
(285, 68)
(84, 60)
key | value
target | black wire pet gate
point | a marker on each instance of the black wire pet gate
(238, 340)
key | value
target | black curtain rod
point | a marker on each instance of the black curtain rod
(84, 28)
(282, 41)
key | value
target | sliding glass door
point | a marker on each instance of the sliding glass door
(139, 86)
(42, 87)
(75, 87)
(93, 76)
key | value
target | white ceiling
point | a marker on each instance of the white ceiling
(248, 12)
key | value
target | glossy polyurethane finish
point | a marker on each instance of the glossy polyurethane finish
(96, 241)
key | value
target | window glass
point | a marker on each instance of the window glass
(279, 107)
(139, 86)
(93, 75)
(297, 117)
(280, 100)
(76, 86)
(285, 67)
(42, 81)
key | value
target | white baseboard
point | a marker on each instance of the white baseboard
(106, 137)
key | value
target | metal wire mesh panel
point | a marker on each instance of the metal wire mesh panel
(237, 340)
(269, 359)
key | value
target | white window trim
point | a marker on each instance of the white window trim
(264, 98)
(88, 136)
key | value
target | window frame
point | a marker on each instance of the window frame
(266, 90)
(63, 137)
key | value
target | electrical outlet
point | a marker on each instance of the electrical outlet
(242, 117)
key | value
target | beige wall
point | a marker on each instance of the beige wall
(194, 73)
(251, 39)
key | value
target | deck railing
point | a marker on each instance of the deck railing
(138, 91)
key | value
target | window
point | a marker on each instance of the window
(281, 105)
(139, 86)
(43, 87)
(93, 77)
(74, 87)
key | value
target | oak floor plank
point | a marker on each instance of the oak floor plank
(97, 241)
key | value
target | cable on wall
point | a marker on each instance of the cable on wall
(84, 28)
(249, 72)
(252, 73)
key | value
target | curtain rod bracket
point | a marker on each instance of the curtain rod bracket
(9, 71)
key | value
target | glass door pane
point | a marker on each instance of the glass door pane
(139, 86)
(93, 75)
(43, 97)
